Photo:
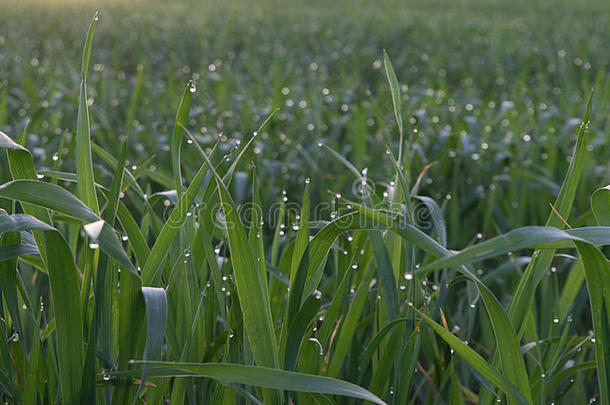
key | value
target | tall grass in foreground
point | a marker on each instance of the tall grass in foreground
(178, 296)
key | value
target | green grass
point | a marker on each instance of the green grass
(387, 202)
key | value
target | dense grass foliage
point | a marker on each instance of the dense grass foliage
(390, 202)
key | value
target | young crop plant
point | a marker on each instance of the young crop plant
(193, 285)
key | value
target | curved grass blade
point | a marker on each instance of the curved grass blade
(258, 376)
(522, 238)
(53, 197)
(475, 360)
(600, 205)
(21, 222)
(396, 100)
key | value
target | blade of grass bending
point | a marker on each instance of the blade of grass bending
(21, 222)
(182, 116)
(52, 196)
(84, 163)
(258, 376)
(521, 238)
(12, 251)
(475, 360)
(597, 273)
(600, 205)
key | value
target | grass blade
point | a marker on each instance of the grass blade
(257, 376)
(84, 163)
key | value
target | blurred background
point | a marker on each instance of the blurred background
(492, 92)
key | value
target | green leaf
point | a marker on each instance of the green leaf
(55, 198)
(84, 163)
(258, 376)
(522, 238)
(475, 360)
(597, 273)
(182, 116)
(252, 299)
(600, 205)
(21, 222)
(396, 100)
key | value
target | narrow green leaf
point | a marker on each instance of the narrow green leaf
(597, 273)
(257, 376)
(396, 100)
(475, 360)
(84, 163)
(182, 116)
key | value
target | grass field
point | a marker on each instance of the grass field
(381, 202)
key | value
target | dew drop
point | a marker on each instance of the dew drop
(408, 276)
(124, 238)
(105, 375)
(555, 320)
(317, 294)
(40, 176)
(93, 245)
(15, 337)
(96, 17)
(192, 87)
(55, 157)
